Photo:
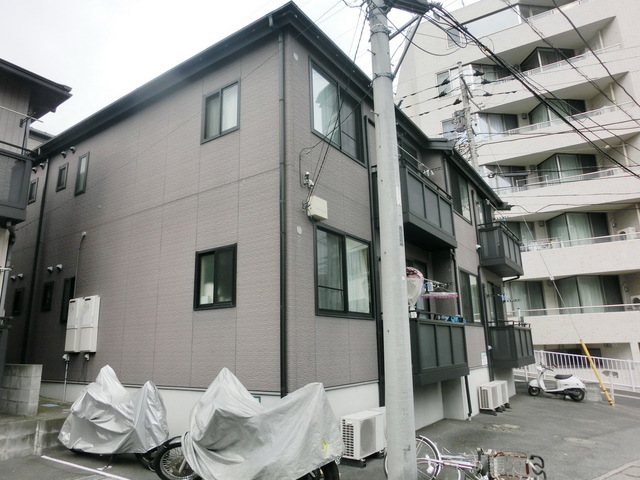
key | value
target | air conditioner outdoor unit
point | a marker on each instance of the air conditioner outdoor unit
(630, 233)
(363, 434)
(490, 396)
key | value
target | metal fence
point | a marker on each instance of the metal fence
(616, 374)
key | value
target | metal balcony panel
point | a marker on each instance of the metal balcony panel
(500, 250)
(15, 171)
(511, 345)
(438, 351)
(427, 212)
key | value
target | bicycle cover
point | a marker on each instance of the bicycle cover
(233, 436)
(108, 419)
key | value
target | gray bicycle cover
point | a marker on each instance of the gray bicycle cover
(108, 419)
(233, 436)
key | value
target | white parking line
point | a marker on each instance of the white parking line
(69, 464)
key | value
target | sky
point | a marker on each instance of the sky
(104, 49)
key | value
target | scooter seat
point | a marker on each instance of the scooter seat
(563, 376)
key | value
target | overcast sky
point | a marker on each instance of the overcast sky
(104, 49)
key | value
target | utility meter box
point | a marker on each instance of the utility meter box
(72, 337)
(82, 324)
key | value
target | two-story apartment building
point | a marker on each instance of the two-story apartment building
(24, 98)
(224, 215)
(568, 163)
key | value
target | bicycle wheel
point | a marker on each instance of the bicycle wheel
(426, 453)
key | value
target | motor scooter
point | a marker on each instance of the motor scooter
(567, 385)
(106, 419)
(231, 435)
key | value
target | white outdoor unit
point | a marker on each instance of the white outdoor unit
(89, 313)
(363, 434)
(629, 232)
(72, 337)
(489, 396)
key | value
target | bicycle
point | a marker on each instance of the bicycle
(485, 465)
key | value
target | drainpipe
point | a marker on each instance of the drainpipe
(34, 268)
(375, 300)
(284, 388)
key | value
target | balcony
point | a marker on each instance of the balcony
(438, 351)
(511, 344)
(500, 250)
(427, 210)
(15, 171)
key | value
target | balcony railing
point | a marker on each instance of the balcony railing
(500, 250)
(438, 350)
(15, 171)
(539, 312)
(549, 243)
(511, 344)
(541, 181)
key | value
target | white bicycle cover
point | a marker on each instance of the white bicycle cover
(233, 436)
(108, 419)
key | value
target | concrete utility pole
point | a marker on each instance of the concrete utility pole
(395, 310)
(464, 88)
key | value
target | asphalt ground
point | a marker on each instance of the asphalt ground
(591, 440)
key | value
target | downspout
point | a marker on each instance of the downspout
(284, 389)
(374, 269)
(467, 389)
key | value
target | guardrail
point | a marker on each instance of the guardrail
(615, 373)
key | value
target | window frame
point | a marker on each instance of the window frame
(220, 131)
(473, 302)
(344, 101)
(345, 312)
(197, 302)
(63, 172)
(81, 177)
(46, 302)
(460, 186)
(32, 196)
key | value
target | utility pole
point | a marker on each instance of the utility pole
(401, 448)
(473, 154)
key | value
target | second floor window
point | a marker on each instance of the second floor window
(61, 184)
(33, 191)
(343, 274)
(221, 112)
(81, 177)
(336, 115)
(460, 195)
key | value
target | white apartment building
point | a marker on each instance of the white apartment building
(569, 164)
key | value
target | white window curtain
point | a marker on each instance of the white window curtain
(358, 280)
(325, 107)
(330, 288)
(230, 107)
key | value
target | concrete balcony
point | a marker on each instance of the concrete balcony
(607, 190)
(594, 325)
(611, 255)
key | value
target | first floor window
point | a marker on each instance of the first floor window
(47, 297)
(592, 291)
(470, 296)
(18, 301)
(81, 177)
(221, 112)
(525, 299)
(215, 278)
(343, 274)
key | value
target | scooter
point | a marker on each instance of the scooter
(567, 385)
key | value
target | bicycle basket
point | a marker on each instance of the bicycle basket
(508, 465)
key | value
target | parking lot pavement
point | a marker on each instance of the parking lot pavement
(590, 440)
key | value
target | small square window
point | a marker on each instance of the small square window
(215, 285)
(33, 191)
(81, 177)
(221, 112)
(61, 184)
(47, 297)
